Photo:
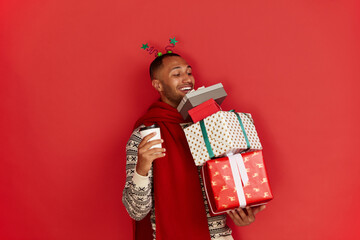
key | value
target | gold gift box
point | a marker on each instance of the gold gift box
(225, 136)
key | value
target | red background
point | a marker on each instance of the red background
(74, 80)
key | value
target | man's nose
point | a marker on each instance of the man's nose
(186, 78)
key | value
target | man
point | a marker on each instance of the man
(165, 181)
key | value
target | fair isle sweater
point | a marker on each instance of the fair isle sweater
(138, 195)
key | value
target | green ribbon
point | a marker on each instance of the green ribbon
(243, 129)
(206, 137)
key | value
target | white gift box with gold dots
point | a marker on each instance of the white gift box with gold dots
(225, 134)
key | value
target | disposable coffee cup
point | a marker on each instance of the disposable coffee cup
(150, 129)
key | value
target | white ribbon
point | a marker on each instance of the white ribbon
(240, 176)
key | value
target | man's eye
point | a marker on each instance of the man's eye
(177, 75)
(189, 73)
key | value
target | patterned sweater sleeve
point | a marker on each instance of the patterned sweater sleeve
(137, 192)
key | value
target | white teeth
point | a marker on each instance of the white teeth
(185, 88)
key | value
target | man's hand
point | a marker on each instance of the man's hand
(243, 217)
(146, 155)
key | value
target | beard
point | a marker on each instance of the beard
(172, 95)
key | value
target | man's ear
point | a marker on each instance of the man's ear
(157, 85)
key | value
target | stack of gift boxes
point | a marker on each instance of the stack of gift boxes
(226, 145)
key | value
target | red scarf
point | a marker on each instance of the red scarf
(179, 205)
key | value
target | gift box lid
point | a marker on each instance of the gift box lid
(195, 98)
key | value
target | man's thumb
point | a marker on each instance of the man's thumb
(259, 209)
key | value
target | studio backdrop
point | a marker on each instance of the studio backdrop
(74, 80)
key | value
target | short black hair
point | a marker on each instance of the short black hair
(156, 64)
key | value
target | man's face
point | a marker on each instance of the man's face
(175, 80)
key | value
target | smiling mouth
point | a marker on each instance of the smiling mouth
(186, 89)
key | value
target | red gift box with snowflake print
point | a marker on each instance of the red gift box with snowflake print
(236, 181)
